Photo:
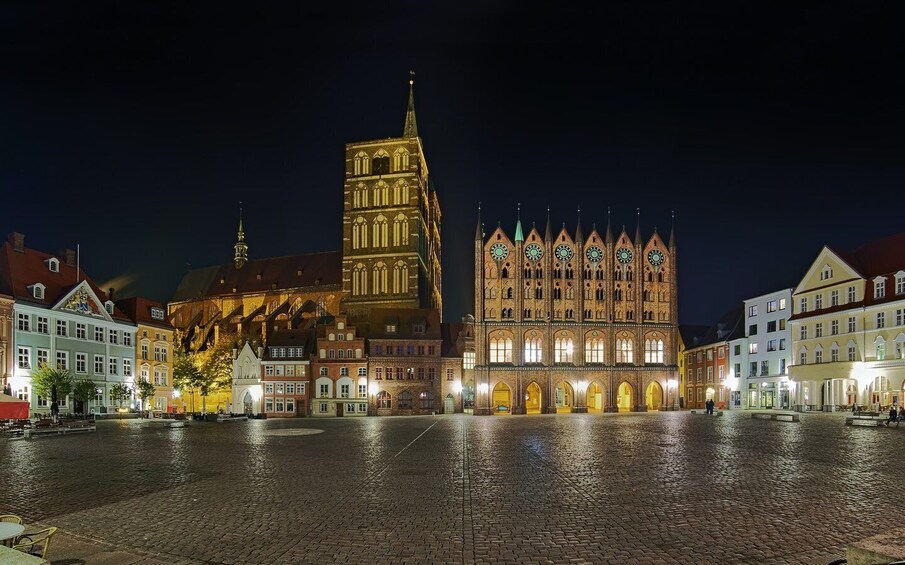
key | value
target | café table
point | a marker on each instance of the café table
(9, 531)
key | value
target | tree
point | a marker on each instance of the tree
(118, 393)
(145, 391)
(217, 366)
(186, 375)
(84, 391)
(53, 383)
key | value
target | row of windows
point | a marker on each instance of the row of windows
(880, 351)
(772, 326)
(62, 359)
(379, 231)
(772, 306)
(569, 314)
(287, 351)
(63, 329)
(380, 195)
(568, 274)
(325, 390)
(280, 405)
(160, 352)
(772, 345)
(379, 163)
(700, 374)
(851, 294)
(362, 407)
(380, 279)
(287, 370)
(852, 324)
(564, 350)
(721, 352)
(340, 353)
(406, 401)
(284, 388)
(764, 368)
(343, 372)
(407, 349)
(402, 374)
(569, 293)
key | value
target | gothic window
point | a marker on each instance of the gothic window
(538, 293)
(400, 278)
(587, 273)
(380, 164)
(527, 273)
(649, 276)
(557, 293)
(587, 314)
(359, 280)
(526, 313)
(362, 164)
(598, 293)
(501, 350)
(563, 349)
(598, 274)
(359, 233)
(557, 273)
(384, 400)
(628, 274)
(570, 273)
(617, 294)
(629, 315)
(505, 273)
(400, 230)
(593, 350)
(400, 193)
(653, 350)
(660, 276)
(533, 350)
(538, 273)
(570, 314)
(624, 351)
(379, 279)
(617, 274)
(509, 292)
(379, 235)
(645, 295)
(400, 159)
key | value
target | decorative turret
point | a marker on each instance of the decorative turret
(518, 225)
(241, 256)
(672, 232)
(638, 228)
(479, 233)
(609, 229)
(411, 125)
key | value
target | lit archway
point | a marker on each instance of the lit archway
(625, 397)
(565, 397)
(501, 399)
(595, 397)
(709, 394)
(654, 396)
(468, 397)
(533, 399)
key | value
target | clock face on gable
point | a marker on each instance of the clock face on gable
(624, 255)
(533, 252)
(655, 256)
(594, 254)
(563, 252)
(499, 251)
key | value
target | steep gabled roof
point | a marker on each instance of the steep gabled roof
(138, 310)
(404, 320)
(260, 275)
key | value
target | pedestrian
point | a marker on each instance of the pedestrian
(854, 407)
(901, 415)
(893, 414)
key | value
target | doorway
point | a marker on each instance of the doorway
(533, 399)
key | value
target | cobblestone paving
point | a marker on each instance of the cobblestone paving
(583, 488)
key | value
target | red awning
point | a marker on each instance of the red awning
(12, 408)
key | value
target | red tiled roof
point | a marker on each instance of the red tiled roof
(138, 310)
(19, 270)
(261, 275)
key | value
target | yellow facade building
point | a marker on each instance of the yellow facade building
(848, 328)
(153, 350)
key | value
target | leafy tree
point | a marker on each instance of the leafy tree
(50, 382)
(84, 391)
(186, 375)
(145, 391)
(216, 365)
(118, 393)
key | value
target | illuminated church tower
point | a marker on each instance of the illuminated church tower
(391, 224)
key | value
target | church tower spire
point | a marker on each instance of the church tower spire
(672, 232)
(519, 236)
(411, 125)
(241, 256)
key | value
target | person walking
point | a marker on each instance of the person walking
(893, 415)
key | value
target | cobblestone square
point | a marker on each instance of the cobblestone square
(581, 488)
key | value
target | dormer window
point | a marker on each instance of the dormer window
(826, 273)
(53, 265)
(418, 328)
(157, 313)
(37, 291)
(879, 287)
(108, 306)
(900, 282)
(391, 328)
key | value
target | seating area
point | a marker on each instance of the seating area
(779, 416)
(18, 543)
(42, 426)
(870, 419)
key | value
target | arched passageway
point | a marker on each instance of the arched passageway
(654, 395)
(625, 400)
(533, 399)
(501, 401)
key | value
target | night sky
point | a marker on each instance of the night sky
(135, 128)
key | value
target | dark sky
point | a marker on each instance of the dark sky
(134, 128)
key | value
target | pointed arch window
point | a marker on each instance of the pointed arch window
(533, 350)
(379, 279)
(359, 280)
(400, 159)
(362, 164)
(380, 232)
(400, 193)
(380, 163)
(593, 350)
(501, 350)
(625, 351)
(400, 278)
(359, 233)
(400, 230)
(564, 349)
(653, 350)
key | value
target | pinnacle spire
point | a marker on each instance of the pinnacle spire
(479, 233)
(578, 235)
(241, 248)
(518, 224)
(548, 236)
(411, 125)
(672, 231)
(638, 229)
(609, 230)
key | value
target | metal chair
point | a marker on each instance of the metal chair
(10, 518)
(35, 543)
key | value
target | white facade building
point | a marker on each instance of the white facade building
(247, 387)
(769, 352)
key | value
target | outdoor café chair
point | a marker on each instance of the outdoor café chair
(10, 518)
(35, 543)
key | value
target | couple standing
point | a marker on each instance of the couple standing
(709, 406)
